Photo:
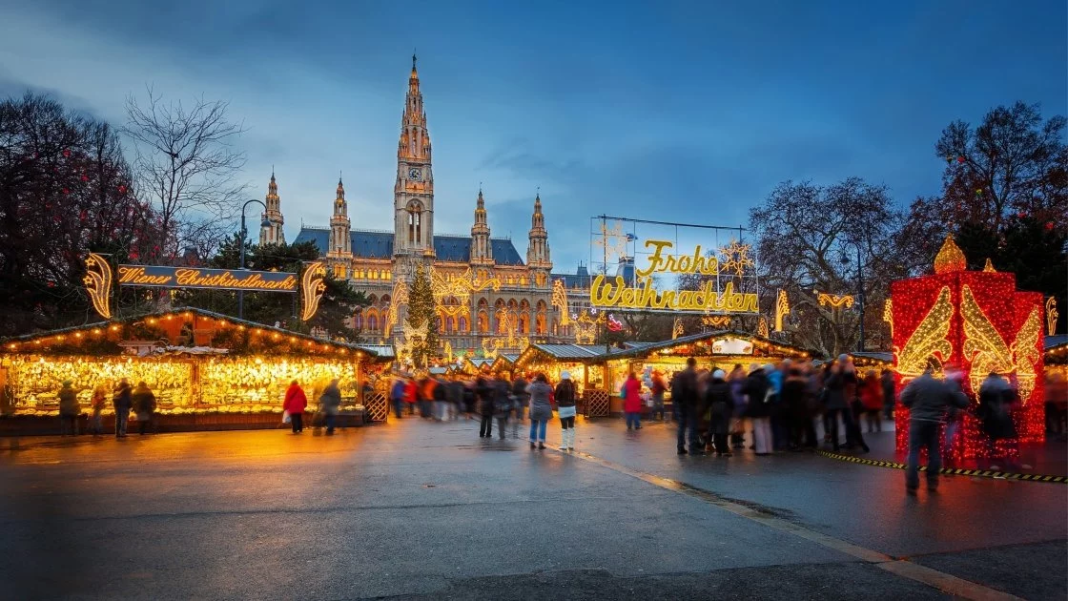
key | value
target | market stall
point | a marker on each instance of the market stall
(583, 363)
(207, 371)
(712, 350)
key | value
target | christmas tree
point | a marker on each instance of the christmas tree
(421, 310)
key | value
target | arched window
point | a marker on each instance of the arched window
(449, 324)
(372, 322)
(483, 322)
(463, 324)
(357, 322)
(540, 324)
(415, 222)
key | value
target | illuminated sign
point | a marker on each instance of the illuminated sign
(709, 298)
(157, 276)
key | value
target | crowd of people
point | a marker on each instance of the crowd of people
(782, 406)
(491, 399)
(124, 399)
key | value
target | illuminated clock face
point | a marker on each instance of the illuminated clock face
(414, 173)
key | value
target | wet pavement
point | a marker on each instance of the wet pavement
(422, 510)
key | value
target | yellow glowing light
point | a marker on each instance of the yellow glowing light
(716, 321)
(114, 328)
(1025, 354)
(646, 296)
(983, 346)
(950, 258)
(77, 334)
(782, 309)
(989, 267)
(312, 289)
(835, 301)
(762, 328)
(929, 339)
(888, 315)
(1051, 316)
(676, 329)
(98, 279)
(736, 258)
(559, 300)
(697, 263)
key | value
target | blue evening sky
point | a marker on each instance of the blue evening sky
(689, 111)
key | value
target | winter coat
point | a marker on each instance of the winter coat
(296, 402)
(720, 403)
(928, 398)
(398, 392)
(100, 397)
(484, 392)
(68, 402)
(330, 401)
(519, 390)
(888, 389)
(996, 398)
(871, 394)
(684, 390)
(796, 398)
(454, 393)
(410, 391)
(632, 396)
(757, 388)
(834, 394)
(144, 402)
(502, 399)
(122, 399)
(565, 394)
(541, 409)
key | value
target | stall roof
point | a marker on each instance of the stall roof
(1057, 341)
(874, 356)
(566, 352)
(382, 351)
(645, 348)
(14, 344)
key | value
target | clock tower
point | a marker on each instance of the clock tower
(413, 195)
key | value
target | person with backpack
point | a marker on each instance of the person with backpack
(565, 405)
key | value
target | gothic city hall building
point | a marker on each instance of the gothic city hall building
(487, 295)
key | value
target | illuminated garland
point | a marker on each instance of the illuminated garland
(97, 280)
(928, 340)
(782, 309)
(559, 300)
(762, 328)
(888, 315)
(736, 258)
(1051, 316)
(676, 329)
(835, 301)
(312, 288)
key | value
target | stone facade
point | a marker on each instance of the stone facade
(489, 298)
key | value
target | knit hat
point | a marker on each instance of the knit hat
(67, 383)
(565, 375)
(718, 374)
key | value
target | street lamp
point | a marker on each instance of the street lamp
(860, 291)
(244, 234)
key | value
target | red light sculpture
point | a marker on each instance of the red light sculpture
(979, 321)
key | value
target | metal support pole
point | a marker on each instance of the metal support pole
(860, 296)
(244, 235)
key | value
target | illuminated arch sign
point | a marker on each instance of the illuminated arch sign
(156, 276)
(730, 262)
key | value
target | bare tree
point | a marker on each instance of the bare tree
(186, 163)
(809, 239)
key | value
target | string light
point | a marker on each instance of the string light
(982, 322)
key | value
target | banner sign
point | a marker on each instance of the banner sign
(156, 276)
(729, 263)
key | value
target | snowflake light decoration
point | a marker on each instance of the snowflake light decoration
(735, 257)
(613, 241)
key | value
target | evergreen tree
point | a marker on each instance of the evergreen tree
(421, 310)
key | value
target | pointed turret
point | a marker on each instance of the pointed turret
(340, 226)
(538, 247)
(273, 233)
(413, 194)
(481, 248)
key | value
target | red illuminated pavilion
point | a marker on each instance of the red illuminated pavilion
(979, 321)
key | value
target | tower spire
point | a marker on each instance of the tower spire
(481, 249)
(538, 247)
(272, 233)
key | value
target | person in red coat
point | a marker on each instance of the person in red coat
(632, 401)
(411, 395)
(871, 397)
(295, 404)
